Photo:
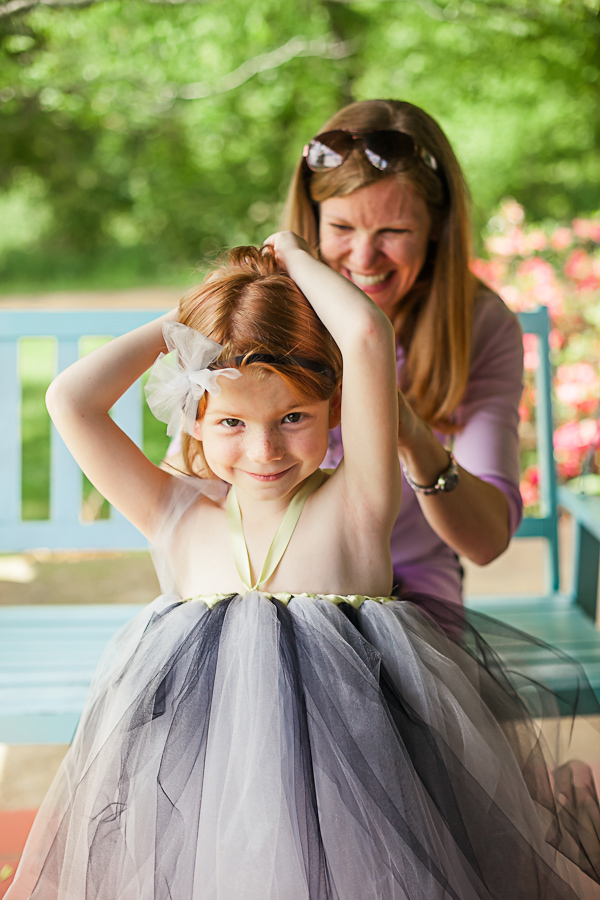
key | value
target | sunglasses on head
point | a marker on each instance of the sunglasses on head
(389, 150)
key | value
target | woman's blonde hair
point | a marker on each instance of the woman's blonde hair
(254, 309)
(433, 322)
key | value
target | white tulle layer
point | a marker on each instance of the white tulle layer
(262, 751)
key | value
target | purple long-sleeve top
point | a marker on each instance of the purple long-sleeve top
(487, 446)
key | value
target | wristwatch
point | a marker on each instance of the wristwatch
(445, 483)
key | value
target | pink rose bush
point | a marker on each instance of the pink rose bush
(558, 266)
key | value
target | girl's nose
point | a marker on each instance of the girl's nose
(364, 252)
(265, 447)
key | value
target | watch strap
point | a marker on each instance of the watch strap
(445, 483)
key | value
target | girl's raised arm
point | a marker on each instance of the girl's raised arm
(365, 337)
(79, 400)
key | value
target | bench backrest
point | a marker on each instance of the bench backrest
(64, 529)
(546, 523)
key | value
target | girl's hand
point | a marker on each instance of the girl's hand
(284, 241)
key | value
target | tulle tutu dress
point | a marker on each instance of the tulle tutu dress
(296, 747)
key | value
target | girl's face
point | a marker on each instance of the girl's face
(377, 237)
(259, 437)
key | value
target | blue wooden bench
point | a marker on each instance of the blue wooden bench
(48, 654)
(565, 620)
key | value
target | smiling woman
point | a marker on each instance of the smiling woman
(379, 195)
(378, 238)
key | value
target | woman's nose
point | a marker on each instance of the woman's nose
(364, 251)
(264, 447)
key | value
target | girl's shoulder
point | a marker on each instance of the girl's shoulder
(182, 493)
(186, 502)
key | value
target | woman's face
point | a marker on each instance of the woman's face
(377, 237)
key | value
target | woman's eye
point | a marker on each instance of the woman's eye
(231, 423)
(292, 417)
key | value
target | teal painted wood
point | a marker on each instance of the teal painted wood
(545, 525)
(65, 475)
(47, 659)
(585, 511)
(10, 433)
(558, 622)
(64, 530)
(56, 728)
(567, 620)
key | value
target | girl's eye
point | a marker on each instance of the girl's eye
(231, 423)
(292, 417)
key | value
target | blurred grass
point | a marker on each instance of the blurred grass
(37, 365)
(28, 271)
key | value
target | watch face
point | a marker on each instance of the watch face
(447, 483)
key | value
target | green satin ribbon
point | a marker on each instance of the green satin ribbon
(282, 537)
(355, 600)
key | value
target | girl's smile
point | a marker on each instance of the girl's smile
(261, 437)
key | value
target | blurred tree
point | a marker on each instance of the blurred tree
(157, 131)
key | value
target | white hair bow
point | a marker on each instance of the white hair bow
(178, 379)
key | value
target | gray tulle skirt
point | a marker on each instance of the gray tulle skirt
(309, 750)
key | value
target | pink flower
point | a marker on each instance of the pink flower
(578, 372)
(531, 356)
(511, 210)
(575, 436)
(537, 269)
(588, 229)
(569, 466)
(536, 240)
(491, 271)
(513, 297)
(589, 285)
(556, 339)
(561, 239)
(529, 486)
(510, 244)
(540, 283)
(579, 265)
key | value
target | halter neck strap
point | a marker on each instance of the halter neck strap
(282, 537)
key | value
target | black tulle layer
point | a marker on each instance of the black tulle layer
(270, 751)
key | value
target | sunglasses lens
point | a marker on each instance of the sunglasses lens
(392, 151)
(328, 151)
(388, 149)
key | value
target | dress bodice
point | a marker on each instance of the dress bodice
(282, 537)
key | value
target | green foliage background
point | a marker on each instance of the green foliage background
(137, 137)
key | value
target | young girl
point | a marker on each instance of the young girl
(275, 726)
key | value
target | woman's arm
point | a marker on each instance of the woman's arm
(365, 337)
(479, 516)
(79, 400)
(473, 518)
